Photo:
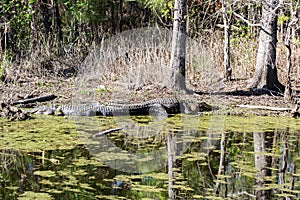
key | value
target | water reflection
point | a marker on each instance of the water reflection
(263, 162)
(247, 164)
(274, 164)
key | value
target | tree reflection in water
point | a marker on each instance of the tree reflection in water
(258, 164)
(263, 161)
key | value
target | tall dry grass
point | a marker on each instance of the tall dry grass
(140, 58)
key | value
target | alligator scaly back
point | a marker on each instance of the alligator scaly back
(158, 107)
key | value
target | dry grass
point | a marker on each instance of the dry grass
(139, 59)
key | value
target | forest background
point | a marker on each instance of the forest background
(42, 39)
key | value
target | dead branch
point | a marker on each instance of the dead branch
(36, 99)
(246, 21)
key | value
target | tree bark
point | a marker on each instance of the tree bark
(178, 49)
(121, 16)
(288, 88)
(290, 35)
(112, 17)
(265, 75)
(227, 68)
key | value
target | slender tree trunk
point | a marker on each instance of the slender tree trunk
(33, 29)
(290, 35)
(56, 35)
(177, 63)
(112, 17)
(227, 68)
(265, 75)
(45, 18)
(288, 87)
(58, 22)
(121, 16)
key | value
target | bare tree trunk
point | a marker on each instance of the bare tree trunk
(121, 16)
(45, 18)
(265, 75)
(290, 33)
(288, 88)
(227, 68)
(112, 17)
(58, 22)
(56, 29)
(178, 49)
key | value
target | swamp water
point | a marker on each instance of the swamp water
(180, 157)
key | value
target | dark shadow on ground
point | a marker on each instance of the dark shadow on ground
(252, 92)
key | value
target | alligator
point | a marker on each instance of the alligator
(157, 107)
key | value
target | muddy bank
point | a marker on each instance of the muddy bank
(228, 98)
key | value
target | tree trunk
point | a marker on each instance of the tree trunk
(290, 35)
(112, 17)
(265, 75)
(121, 16)
(227, 68)
(45, 18)
(288, 87)
(177, 62)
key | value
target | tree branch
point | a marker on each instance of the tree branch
(246, 21)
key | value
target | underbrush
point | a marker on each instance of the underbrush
(140, 58)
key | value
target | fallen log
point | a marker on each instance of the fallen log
(35, 99)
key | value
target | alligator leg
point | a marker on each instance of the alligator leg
(157, 110)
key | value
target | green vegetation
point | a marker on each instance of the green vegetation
(55, 164)
(36, 34)
(39, 134)
(210, 156)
